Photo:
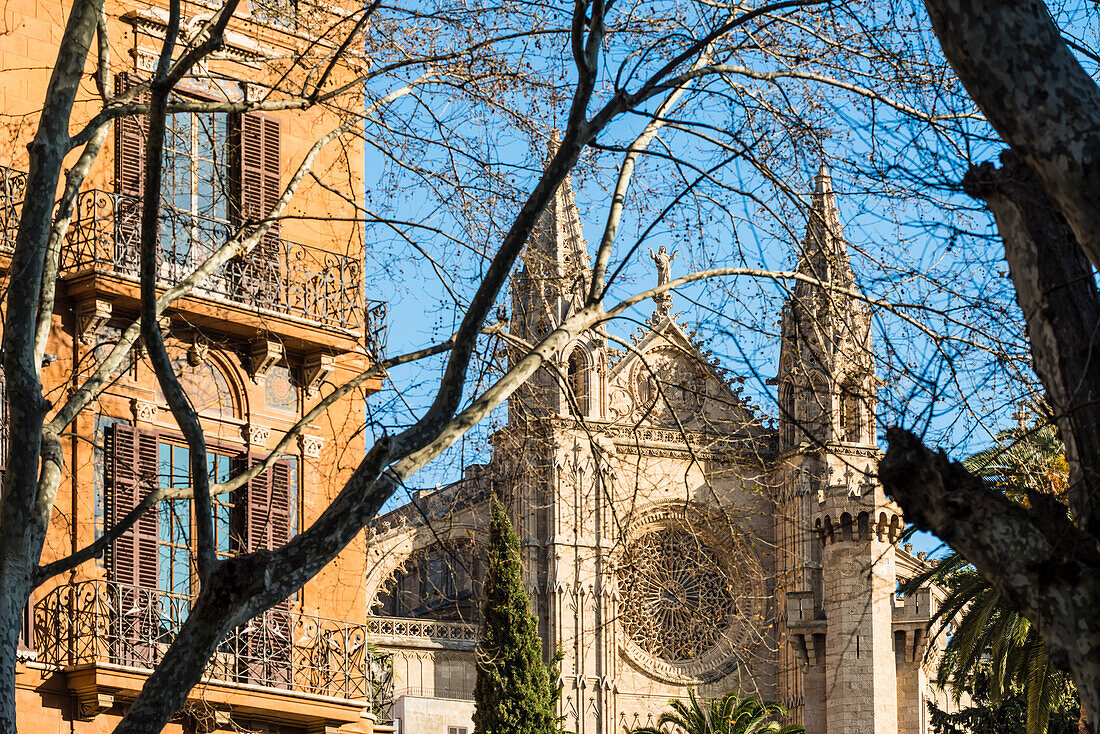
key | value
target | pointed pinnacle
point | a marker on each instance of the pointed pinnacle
(824, 209)
(823, 181)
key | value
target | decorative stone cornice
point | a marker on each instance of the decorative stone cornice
(311, 445)
(255, 435)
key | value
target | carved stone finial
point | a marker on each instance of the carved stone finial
(1021, 416)
(198, 351)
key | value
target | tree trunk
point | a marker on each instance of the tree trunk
(1046, 564)
(1012, 60)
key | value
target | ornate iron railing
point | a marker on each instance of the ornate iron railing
(107, 622)
(13, 185)
(389, 627)
(277, 275)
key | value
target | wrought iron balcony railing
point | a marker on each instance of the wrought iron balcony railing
(278, 275)
(102, 621)
(13, 185)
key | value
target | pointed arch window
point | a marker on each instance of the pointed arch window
(577, 380)
(851, 415)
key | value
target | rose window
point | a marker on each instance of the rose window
(678, 601)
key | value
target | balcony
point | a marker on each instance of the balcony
(305, 294)
(13, 184)
(282, 666)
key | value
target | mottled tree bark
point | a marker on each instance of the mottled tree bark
(1011, 57)
(1045, 561)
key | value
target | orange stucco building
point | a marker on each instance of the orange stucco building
(256, 345)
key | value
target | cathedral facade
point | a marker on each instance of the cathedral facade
(673, 539)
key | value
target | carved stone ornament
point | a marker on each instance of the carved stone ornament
(315, 369)
(91, 315)
(264, 354)
(255, 435)
(91, 703)
(198, 352)
(311, 446)
(143, 411)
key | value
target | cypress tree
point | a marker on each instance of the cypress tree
(515, 691)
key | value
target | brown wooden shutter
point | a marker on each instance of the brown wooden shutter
(257, 160)
(262, 509)
(134, 474)
(130, 135)
(257, 186)
(4, 419)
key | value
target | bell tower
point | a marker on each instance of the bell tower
(838, 528)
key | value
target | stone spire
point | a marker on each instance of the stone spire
(826, 335)
(556, 272)
(834, 318)
(824, 252)
(552, 283)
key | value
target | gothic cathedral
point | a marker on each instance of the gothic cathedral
(672, 538)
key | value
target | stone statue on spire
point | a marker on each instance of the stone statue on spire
(663, 261)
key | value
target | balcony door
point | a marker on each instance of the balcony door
(220, 172)
(152, 564)
(195, 195)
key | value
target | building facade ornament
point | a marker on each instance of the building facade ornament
(144, 411)
(91, 315)
(311, 446)
(255, 435)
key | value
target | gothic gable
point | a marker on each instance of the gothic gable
(664, 380)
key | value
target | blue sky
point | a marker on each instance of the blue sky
(916, 242)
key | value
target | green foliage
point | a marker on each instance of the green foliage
(1007, 716)
(728, 714)
(993, 649)
(516, 692)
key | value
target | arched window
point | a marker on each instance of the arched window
(441, 582)
(576, 373)
(851, 415)
(207, 387)
(786, 414)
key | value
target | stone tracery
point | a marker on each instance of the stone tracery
(678, 600)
